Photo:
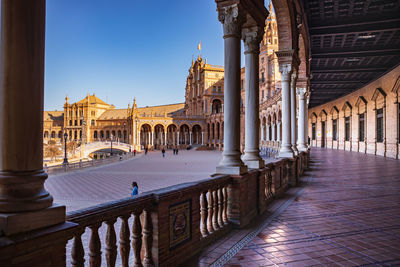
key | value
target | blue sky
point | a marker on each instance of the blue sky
(123, 49)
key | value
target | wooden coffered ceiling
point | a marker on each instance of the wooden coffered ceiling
(352, 42)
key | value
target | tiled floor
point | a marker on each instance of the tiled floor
(346, 213)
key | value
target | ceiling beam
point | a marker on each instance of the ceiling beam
(349, 69)
(373, 26)
(354, 52)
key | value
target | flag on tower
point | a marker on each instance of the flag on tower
(199, 46)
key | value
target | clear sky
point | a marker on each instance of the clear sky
(120, 49)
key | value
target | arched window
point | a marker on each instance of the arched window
(101, 134)
(95, 134)
(70, 122)
(53, 134)
(60, 134)
(92, 122)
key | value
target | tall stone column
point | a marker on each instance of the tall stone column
(177, 137)
(278, 131)
(139, 138)
(273, 132)
(152, 138)
(251, 38)
(302, 137)
(202, 138)
(24, 203)
(190, 138)
(267, 132)
(286, 150)
(293, 109)
(262, 132)
(232, 20)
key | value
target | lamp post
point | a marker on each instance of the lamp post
(124, 131)
(65, 149)
(111, 137)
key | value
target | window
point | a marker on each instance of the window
(219, 89)
(361, 124)
(70, 122)
(80, 122)
(334, 129)
(262, 95)
(214, 89)
(241, 84)
(313, 131)
(92, 122)
(262, 60)
(379, 125)
(76, 123)
(347, 128)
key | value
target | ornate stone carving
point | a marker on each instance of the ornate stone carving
(252, 38)
(286, 71)
(302, 92)
(232, 20)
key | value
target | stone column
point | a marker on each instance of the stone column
(152, 138)
(273, 132)
(278, 131)
(190, 138)
(286, 150)
(267, 132)
(293, 110)
(177, 137)
(24, 203)
(302, 137)
(202, 138)
(262, 132)
(139, 137)
(251, 38)
(232, 19)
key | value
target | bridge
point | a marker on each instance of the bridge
(86, 149)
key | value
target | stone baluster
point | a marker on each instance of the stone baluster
(95, 246)
(210, 212)
(111, 247)
(220, 207)
(77, 252)
(225, 211)
(137, 239)
(148, 238)
(203, 214)
(232, 19)
(252, 37)
(215, 206)
(124, 241)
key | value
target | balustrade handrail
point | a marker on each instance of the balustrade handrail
(110, 210)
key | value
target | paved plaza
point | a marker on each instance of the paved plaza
(346, 213)
(92, 186)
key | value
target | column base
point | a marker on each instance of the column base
(254, 164)
(14, 223)
(302, 148)
(234, 170)
(286, 153)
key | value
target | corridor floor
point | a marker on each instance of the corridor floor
(345, 213)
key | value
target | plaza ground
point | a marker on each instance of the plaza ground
(92, 186)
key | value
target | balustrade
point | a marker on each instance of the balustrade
(96, 242)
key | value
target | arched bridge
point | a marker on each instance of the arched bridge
(89, 148)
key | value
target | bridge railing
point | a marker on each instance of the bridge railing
(85, 164)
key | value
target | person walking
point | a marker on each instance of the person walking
(163, 152)
(176, 151)
(135, 189)
(134, 152)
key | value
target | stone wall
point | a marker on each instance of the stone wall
(382, 93)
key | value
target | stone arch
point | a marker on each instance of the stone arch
(145, 134)
(159, 135)
(216, 106)
(323, 115)
(285, 23)
(172, 130)
(196, 134)
(46, 134)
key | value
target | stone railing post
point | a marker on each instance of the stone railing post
(302, 138)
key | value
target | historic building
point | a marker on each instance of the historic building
(197, 122)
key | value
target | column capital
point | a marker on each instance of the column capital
(286, 71)
(232, 19)
(302, 92)
(252, 37)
